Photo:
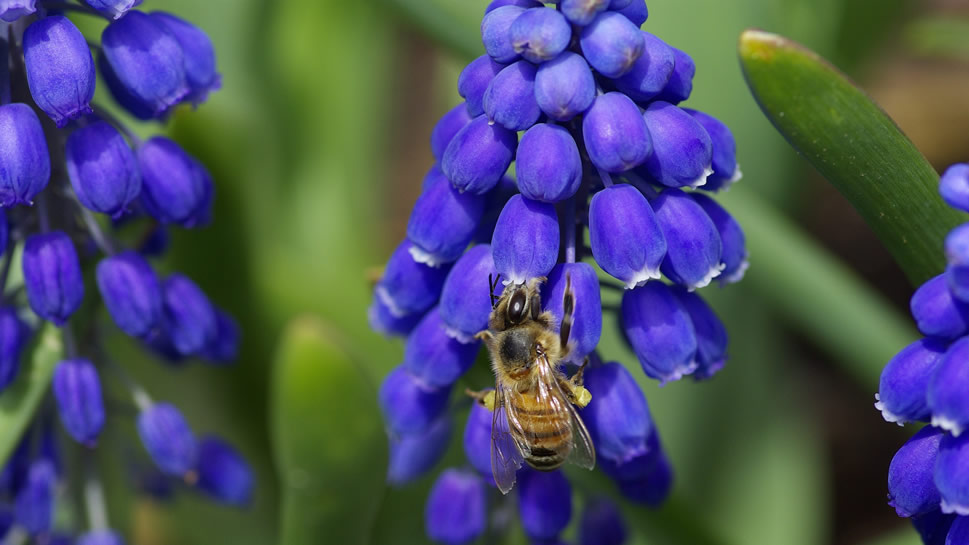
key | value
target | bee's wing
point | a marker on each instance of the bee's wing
(506, 457)
(551, 394)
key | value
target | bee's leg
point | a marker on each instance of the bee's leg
(487, 337)
(568, 308)
(485, 397)
(576, 379)
(576, 394)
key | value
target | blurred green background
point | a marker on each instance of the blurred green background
(318, 141)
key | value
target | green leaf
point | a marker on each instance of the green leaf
(855, 145)
(19, 402)
(329, 447)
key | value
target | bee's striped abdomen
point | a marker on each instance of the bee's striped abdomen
(545, 433)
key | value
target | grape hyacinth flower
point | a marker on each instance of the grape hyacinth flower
(570, 121)
(86, 202)
(927, 381)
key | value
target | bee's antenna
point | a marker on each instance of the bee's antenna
(491, 289)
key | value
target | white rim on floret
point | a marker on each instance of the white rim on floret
(640, 278)
(949, 508)
(889, 416)
(711, 274)
(950, 425)
(421, 255)
(514, 278)
(389, 302)
(679, 372)
(735, 276)
(702, 180)
(737, 175)
(459, 336)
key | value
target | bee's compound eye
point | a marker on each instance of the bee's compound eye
(516, 307)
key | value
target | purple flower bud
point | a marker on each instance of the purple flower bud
(904, 382)
(618, 420)
(565, 87)
(527, 4)
(612, 44)
(143, 65)
(681, 81)
(175, 187)
(79, 401)
(456, 511)
(4, 231)
(100, 537)
(16, 470)
(103, 169)
(952, 474)
(473, 81)
(625, 238)
(726, 171)
(11, 10)
(26, 163)
(933, 527)
(478, 155)
(954, 186)
(509, 99)
(52, 276)
(711, 334)
(544, 503)
(582, 12)
(910, 488)
(496, 33)
(693, 246)
(168, 439)
(435, 359)
(526, 240)
(734, 245)
(409, 407)
(654, 487)
(615, 134)
(636, 12)
(199, 54)
(447, 127)
(601, 524)
(548, 165)
(957, 254)
(937, 313)
(34, 508)
(540, 34)
(14, 334)
(660, 332)
(958, 532)
(224, 348)
(131, 292)
(187, 315)
(587, 312)
(407, 286)
(60, 70)
(113, 8)
(383, 321)
(682, 149)
(477, 441)
(223, 473)
(443, 221)
(465, 301)
(411, 456)
(650, 72)
(947, 387)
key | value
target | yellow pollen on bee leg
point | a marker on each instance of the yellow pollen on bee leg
(582, 396)
(489, 400)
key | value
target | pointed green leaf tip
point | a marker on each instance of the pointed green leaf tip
(855, 145)
(20, 400)
(330, 449)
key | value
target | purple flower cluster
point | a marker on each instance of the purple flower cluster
(585, 104)
(65, 160)
(928, 381)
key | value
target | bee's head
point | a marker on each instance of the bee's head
(517, 304)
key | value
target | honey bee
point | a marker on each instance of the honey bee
(534, 418)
